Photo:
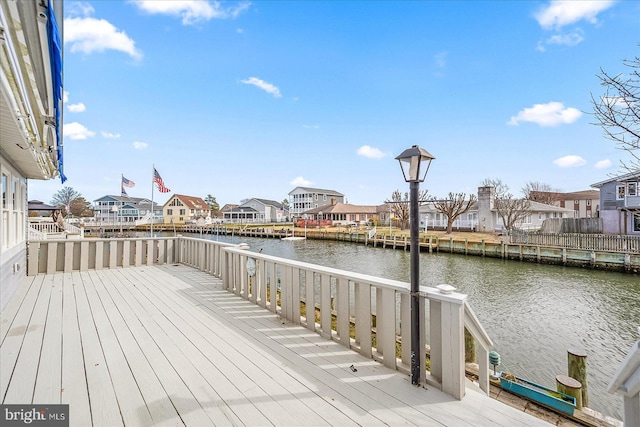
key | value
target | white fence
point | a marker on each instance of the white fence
(370, 306)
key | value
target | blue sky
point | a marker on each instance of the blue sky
(251, 99)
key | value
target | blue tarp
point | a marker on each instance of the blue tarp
(55, 53)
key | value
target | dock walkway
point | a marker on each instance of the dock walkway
(166, 345)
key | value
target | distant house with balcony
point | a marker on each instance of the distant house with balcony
(302, 199)
(112, 209)
(620, 204)
(180, 209)
(256, 211)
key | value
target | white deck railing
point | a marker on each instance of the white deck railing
(371, 314)
(626, 382)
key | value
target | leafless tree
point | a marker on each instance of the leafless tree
(454, 206)
(399, 205)
(618, 110)
(499, 187)
(80, 207)
(540, 192)
(512, 211)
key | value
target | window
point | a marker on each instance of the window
(576, 202)
(636, 223)
(632, 189)
(588, 202)
(620, 192)
(182, 212)
(169, 211)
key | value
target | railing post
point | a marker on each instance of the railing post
(447, 341)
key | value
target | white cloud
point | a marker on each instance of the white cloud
(138, 145)
(570, 161)
(550, 114)
(76, 130)
(571, 39)
(370, 152)
(109, 135)
(88, 35)
(299, 181)
(559, 13)
(191, 11)
(76, 108)
(603, 164)
(267, 87)
(65, 96)
(311, 126)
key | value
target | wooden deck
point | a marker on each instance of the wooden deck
(165, 345)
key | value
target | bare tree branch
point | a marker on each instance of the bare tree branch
(512, 211)
(618, 110)
(541, 192)
(399, 205)
(454, 206)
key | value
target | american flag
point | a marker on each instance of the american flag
(127, 182)
(159, 182)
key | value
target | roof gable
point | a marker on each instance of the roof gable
(191, 202)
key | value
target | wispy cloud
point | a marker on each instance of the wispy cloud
(559, 13)
(570, 161)
(311, 127)
(300, 181)
(261, 84)
(88, 35)
(76, 108)
(138, 145)
(571, 39)
(109, 135)
(76, 130)
(603, 164)
(550, 114)
(192, 11)
(370, 152)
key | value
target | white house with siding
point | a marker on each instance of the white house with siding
(30, 121)
(302, 199)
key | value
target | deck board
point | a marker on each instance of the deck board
(166, 345)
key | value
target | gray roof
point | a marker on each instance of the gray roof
(632, 176)
(318, 190)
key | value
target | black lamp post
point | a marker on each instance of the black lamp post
(415, 162)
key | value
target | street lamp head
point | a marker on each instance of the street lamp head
(415, 162)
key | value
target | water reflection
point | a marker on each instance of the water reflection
(533, 313)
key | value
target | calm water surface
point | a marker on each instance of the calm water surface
(533, 313)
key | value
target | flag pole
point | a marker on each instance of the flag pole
(152, 209)
(121, 202)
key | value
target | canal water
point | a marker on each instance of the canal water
(533, 313)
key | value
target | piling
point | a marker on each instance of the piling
(571, 387)
(577, 364)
